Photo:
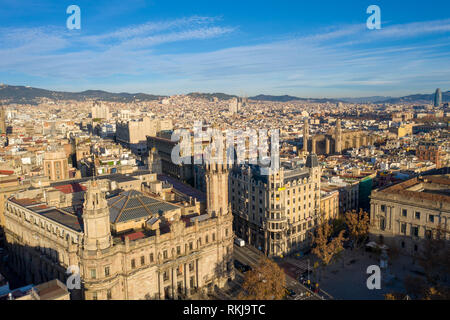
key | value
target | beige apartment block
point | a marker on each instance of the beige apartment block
(329, 204)
(274, 213)
(56, 166)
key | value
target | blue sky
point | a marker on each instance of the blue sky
(303, 48)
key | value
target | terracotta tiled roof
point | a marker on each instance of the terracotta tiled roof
(70, 188)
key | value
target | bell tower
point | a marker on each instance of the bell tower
(97, 229)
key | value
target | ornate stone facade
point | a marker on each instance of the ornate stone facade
(130, 246)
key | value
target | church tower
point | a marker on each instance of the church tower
(97, 229)
(154, 161)
(338, 137)
(305, 135)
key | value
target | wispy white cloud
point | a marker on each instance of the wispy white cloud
(337, 59)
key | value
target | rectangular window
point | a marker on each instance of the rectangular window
(93, 273)
(142, 260)
(213, 237)
(404, 212)
(415, 231)
(94, 296)
(165, 256)
(383, 208)
(178, 250)
(106, 271)
(133, 263)
(151, 257)
(417, 215)
(108, 294)
(191, 246)
(431, 218)
(403, 228)
(165, 276)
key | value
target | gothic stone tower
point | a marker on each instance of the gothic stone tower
(217, 189)
(338, 137)
(219, 208)
(154, 161)
(97, 229)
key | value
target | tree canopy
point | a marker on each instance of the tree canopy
(265, 282)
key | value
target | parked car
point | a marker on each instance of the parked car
(240, 242)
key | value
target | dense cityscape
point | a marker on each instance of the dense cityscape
(93, 184)
(227, 160)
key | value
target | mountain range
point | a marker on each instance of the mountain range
(30, 95)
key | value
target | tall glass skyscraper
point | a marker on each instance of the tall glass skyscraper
(437, 98)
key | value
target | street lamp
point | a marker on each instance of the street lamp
(308, 270)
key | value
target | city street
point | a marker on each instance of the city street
(250, 256)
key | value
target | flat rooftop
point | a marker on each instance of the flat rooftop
(59, 215)
(183, 188)
(434, 188)
(51, 290)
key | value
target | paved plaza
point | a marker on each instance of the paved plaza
(346, 278)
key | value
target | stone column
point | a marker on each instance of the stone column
(327, 146)
(174, 283)
(372, 214)
(390, 218)
(198, 279)
(266, 243)
(161, 286)
(187, 277)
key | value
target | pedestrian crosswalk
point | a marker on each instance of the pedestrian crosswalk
(303, 265)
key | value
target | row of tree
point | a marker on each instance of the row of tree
(267, 280)
(328, 238)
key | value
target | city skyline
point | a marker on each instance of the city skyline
(302, 50)
(380, 97)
